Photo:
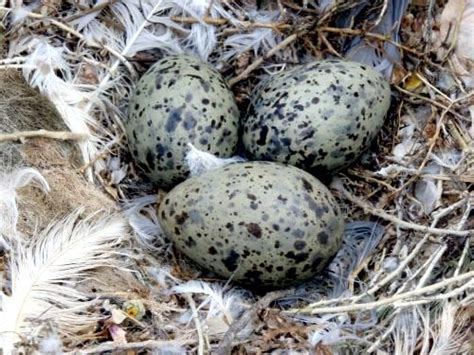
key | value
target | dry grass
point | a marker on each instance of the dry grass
(413, 294)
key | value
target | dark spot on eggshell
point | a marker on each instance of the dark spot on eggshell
(307, 185)
(254, 229)
(297, 257)
(181, 218)
(279, 243)
(323, 237)
(262, 135)
(299, 244)
(190, 242)
(231, 261)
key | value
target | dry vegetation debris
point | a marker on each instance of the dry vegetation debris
(410, 293)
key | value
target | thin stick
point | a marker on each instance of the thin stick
(148, 344)
(401, 223)
(387, 301)
(435, 258)
(197, 323)
(278, 27)
(353, 32)
(329, 45)
(97, 8)
(42, 133)
(437, 297)
(427, 99)
(260, 60)
(434, 88)
(467, 244)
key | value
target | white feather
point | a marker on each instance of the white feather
(448, 335)
(448, 158)
(360, 240)
(143, 219)
(19, 12)
(200, 162)
(218, 301)
(136, 17)
(405, 331)
(331, 330)
(259, 40)
(408, 142)
(51, 344)
(427, 191)
(9, 183)
(41, 69)
(44, 272)
(202, 38)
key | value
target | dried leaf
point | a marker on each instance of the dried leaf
(118, 334)
(413, 82)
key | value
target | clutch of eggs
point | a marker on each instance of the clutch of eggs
(259, 223)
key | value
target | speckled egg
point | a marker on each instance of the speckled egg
(180, 100)
(261, 223)
(319, 116)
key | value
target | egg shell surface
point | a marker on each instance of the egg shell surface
(319, 116)
(261, 223)
(180, 100)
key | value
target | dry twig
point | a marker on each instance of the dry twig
(401, 223)
(148, 344)
(197, 323)
(277, 27)
(42, 133)
(390, 301)
(260, 60)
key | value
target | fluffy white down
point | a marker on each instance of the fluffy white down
(9, 183)
(199, 162)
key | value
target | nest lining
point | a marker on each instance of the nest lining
(409, 294)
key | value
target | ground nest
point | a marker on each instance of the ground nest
(67, 71)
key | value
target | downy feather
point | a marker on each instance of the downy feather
(360, 240)
(143, 219)
(259, 40)
(199, 162)
(202, 38)
(332, 330)
(218, 301)
(448, 337)
(9, 183)
(44, 274)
